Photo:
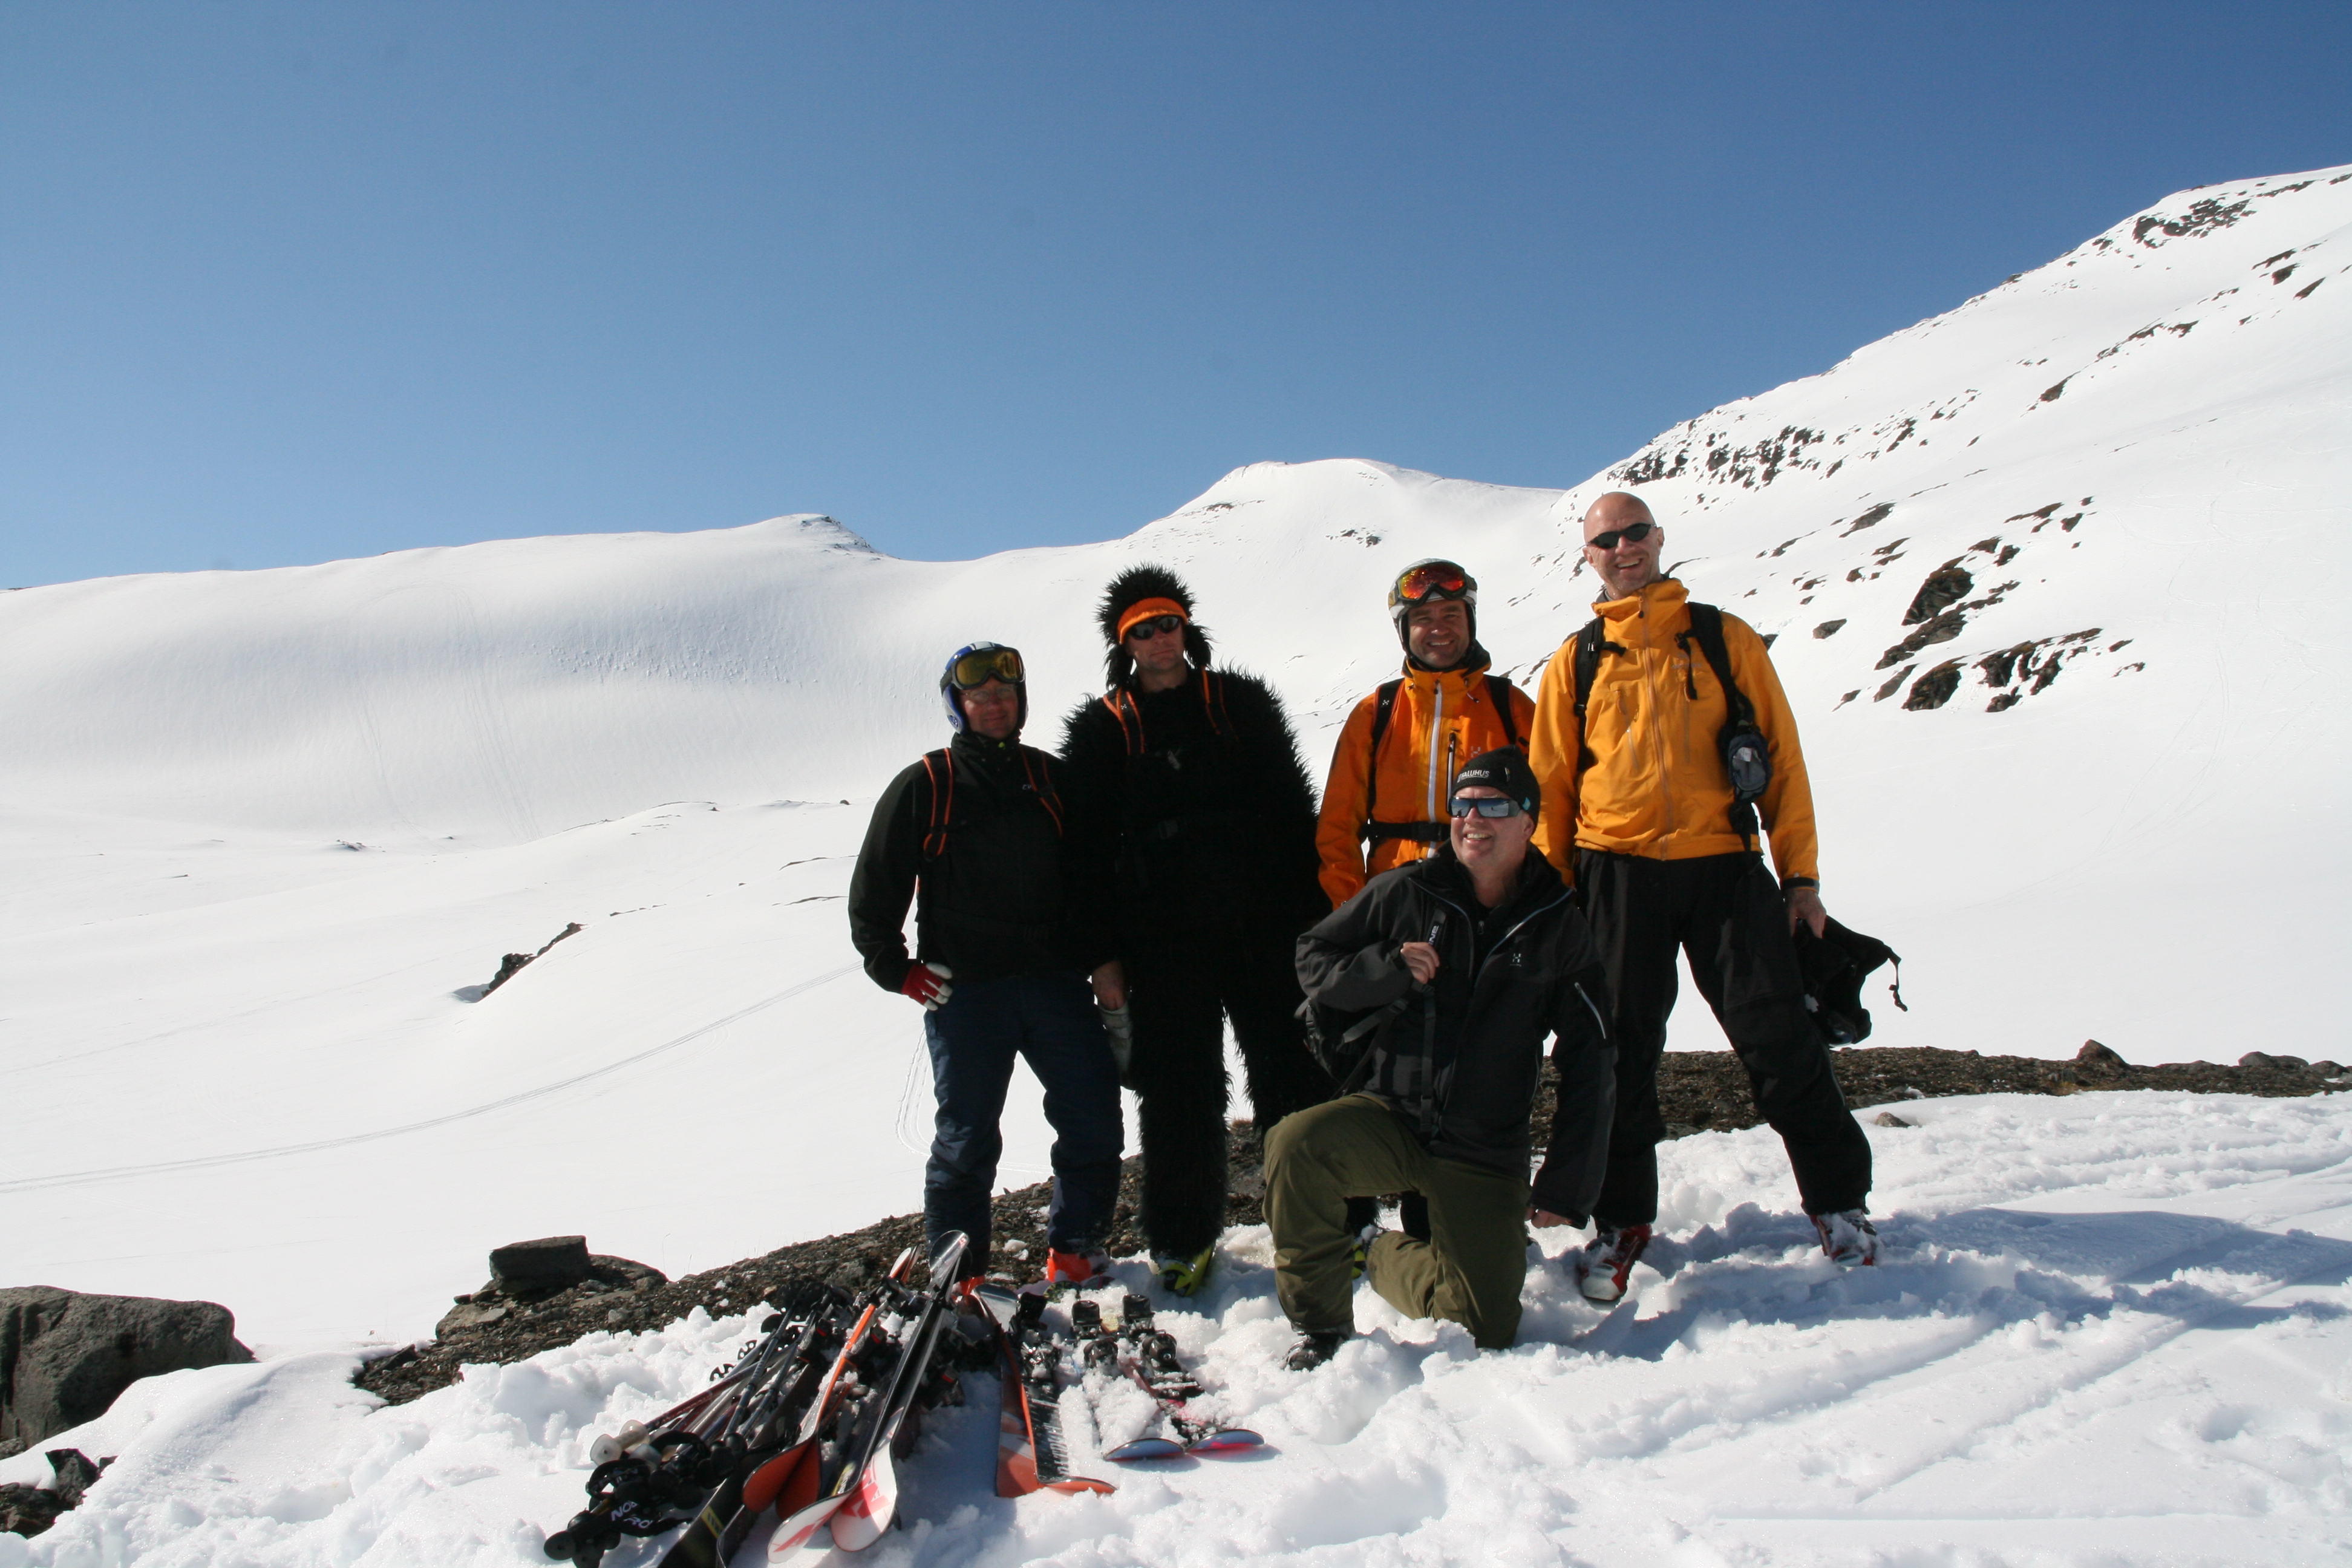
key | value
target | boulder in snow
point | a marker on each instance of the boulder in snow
(65, 1356)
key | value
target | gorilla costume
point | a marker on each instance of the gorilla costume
(1192, 809)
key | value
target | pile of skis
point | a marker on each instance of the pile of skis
(808, 1420)
(812, 1416)
(1039, 1363)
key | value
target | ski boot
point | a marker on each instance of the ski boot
(1848, 1239)
(1607, 1259)
(1185, 1276)
(1313, 1350)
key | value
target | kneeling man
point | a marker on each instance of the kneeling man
(1470, 958)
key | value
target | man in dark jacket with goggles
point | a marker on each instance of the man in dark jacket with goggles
(1476, 954)
(974, 835)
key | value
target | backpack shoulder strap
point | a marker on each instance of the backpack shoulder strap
(1706, 630)
(1500, 692)
(1588, 662)
(938, 768)
(1382, 712)
(1039, 768)
(1130, 718)
(1212, 697)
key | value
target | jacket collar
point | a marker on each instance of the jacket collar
(1422, 679)
(971, 746)
(1537, 882)
(1650, 616)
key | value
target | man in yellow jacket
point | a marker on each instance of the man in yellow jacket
(1640, 810)
(1392, 772)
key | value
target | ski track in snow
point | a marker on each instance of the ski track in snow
(2056, 580)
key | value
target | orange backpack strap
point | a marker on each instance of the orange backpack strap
(937, 765)
(1122, 705)
(1212, 697)
(1039, 767)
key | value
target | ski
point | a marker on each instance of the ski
(1138, 1348)
(848, 1479)
(683, 1467)
(1032, 1454)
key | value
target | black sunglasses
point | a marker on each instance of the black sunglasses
(1483, 804)
(1632, 533)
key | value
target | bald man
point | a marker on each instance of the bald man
(1631, 741)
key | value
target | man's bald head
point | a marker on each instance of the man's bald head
(1615, 509)
(1624, 563)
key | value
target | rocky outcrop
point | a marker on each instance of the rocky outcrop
(64, 1356)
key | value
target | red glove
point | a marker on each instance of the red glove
(926, 983)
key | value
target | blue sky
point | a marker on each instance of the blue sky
(288, 283)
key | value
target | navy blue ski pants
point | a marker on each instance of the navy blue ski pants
(1050, 1020)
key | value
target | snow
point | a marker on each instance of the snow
(265, 836)
(2124, 1341)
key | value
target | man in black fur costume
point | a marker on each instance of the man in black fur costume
(1190, 803)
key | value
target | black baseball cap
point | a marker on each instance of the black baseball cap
(1506, 769)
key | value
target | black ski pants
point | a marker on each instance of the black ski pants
(1050, 1020)
(1182, 990)
(1728, 914)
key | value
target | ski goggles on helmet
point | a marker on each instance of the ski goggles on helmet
(1483, 805)
(1631, 533)
(1433, 580)
(978, 666)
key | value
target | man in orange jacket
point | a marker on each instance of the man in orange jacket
(1392, 771)
(1385, 802)
(1640, 810)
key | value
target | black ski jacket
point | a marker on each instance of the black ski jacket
(1462, 1061)
(1192, 812)
(977, 844)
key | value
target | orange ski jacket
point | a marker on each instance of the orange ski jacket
(1654, 786)
(1440, 720)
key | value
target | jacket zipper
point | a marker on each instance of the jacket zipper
(1437, 718)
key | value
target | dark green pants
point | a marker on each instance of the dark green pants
(1468, 1271)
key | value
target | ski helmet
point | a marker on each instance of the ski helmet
(977, 664)
(1426, 581)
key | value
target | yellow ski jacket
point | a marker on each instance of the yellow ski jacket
(1655, 785)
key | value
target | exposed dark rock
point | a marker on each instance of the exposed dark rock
(29, 1510)
(524, 1268)
(606, 1286)
(1942, 628)
(514, 962)
(1935, 688)
(65, 1356)
(2099, 1061)
(1947, 584)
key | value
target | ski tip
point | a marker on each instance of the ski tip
(1145, 1448)
(793, 1534)
(1229, 1440)
(1071, 1485)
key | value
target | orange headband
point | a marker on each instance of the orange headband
(1145, 609)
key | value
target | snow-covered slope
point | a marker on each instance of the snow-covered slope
(2057, 580)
